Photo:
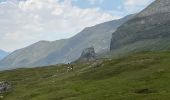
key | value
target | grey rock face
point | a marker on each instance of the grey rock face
(148, 30)
(4, 86)
(88, 53)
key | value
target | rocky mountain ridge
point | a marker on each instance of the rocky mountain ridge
(63, 51)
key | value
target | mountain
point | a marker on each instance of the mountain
(3, 54)
(149, 30)
(63, 51)
(26, 56)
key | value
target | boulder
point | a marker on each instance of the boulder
(4, 86)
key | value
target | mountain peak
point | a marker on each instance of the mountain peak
(3, 54)
(157, 7)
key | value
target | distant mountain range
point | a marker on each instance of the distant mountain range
(64, 51)
(149, 30)
(3, 54)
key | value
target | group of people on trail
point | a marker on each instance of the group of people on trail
(70, 67)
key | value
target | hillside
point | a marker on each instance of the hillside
(141, 76)
(63, 51)
(26, 56)
(149, 30)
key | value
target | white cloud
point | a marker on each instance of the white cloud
(133, 6)
(25, 22)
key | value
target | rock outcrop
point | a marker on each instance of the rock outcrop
(4, 86)
(88, 53)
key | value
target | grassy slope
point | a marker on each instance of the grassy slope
(160, 44)
(142, 76)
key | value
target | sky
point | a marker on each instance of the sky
(24, 22)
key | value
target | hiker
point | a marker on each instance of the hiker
(70, 67)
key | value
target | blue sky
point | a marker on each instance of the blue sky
(116, 7)
(23, 22)
(106, 5)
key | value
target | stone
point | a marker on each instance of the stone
(4, 86)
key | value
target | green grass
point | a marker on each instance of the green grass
(140, 76)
